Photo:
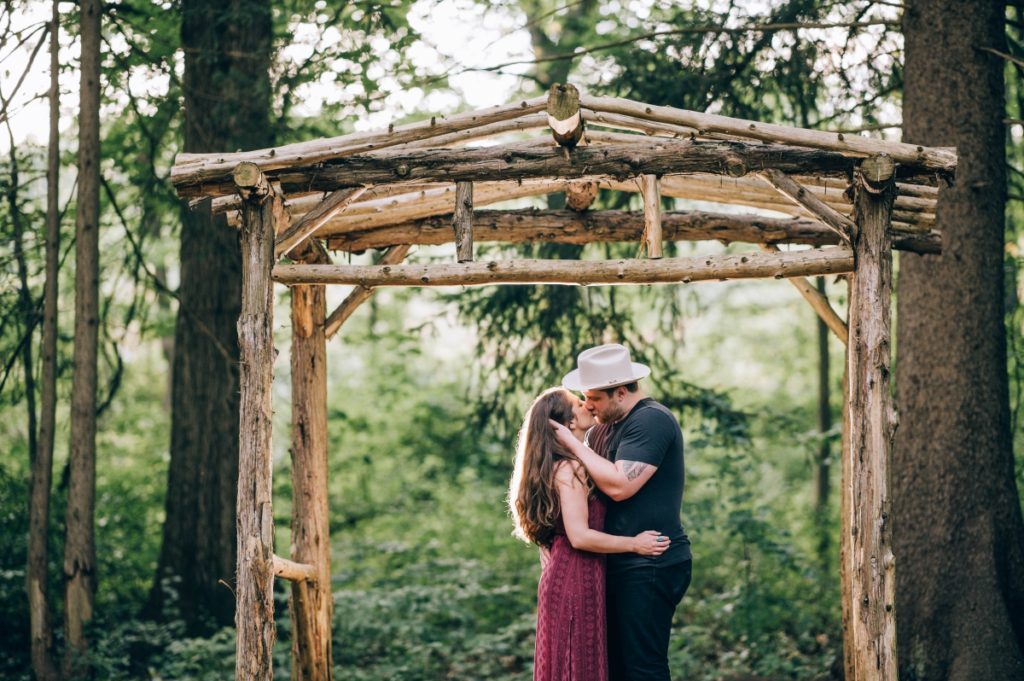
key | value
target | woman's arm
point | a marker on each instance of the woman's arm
(572, 495)
(619, 480)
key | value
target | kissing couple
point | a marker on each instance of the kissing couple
(598, 485)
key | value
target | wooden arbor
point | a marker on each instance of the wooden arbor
(851, 199)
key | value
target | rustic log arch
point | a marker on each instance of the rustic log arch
(846, 201)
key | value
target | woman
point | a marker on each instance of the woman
(555, 505)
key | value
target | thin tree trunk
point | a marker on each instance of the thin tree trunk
(822, 474)
(28, 312)
(79, 543)
(958, 527)
(36, 578)
(227, 107)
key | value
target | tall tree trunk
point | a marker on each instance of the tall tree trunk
(959, 535)
(79, 542)
(227, 48)
(36, 578)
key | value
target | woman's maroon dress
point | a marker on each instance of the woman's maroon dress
(572, 643)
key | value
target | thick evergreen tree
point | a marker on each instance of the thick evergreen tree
(227, 94)
(959, 537)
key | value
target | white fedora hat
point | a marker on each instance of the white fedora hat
(605, 366)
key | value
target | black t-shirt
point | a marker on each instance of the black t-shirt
(650, 434)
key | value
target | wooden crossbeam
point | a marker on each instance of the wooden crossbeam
(361, 294)
(819, 303)
(296, 572)
(786, 185)
(315, 219)
(571, 227)
(584, 272)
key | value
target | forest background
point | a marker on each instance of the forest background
(426, 388)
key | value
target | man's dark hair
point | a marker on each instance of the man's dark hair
(631, 387)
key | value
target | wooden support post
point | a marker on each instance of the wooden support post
(462, 221)
(311, 605)
(868, 573)
(254, 609)
(360, 294)
(315, 219)
(818, 302)
(652, 216)
(584, 272)
(802, 197)
(564, 116)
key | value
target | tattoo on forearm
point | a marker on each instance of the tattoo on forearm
(633, 469)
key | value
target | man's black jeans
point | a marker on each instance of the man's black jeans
(641, 602)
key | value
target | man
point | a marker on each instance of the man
(644, 476)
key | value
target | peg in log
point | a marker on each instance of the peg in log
(564, 116)
(877, 172)
(579, 195)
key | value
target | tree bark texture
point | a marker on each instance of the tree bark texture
(868, 574)
(227, 107)
(959, 532)
(43, 661)
(254, 612)
(571, 227)
(583, 272)
(79, 542)
(312, 604)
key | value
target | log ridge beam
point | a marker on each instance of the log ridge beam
(532, 160)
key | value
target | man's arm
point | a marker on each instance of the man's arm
(619, 480)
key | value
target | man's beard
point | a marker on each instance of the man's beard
(612, 414)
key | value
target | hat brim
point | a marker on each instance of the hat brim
(572, 379)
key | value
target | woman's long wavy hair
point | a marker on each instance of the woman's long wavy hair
(532, 495)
